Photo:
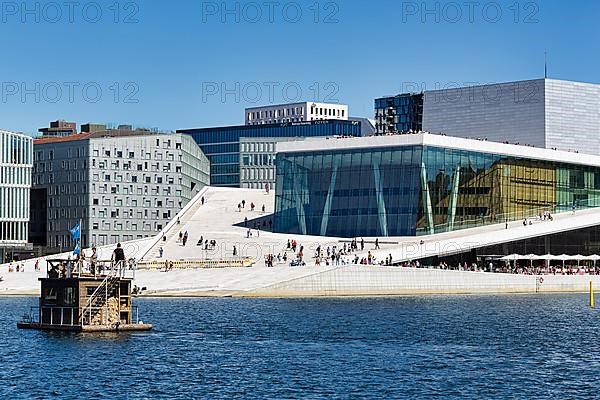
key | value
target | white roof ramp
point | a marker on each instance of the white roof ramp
(461, 241)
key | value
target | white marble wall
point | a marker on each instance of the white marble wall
(375, 280)
(573, 116)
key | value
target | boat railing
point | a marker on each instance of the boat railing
(61, 268)
(67, 316)
(57, 315)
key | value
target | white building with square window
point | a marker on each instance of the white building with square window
(121, 185)
(295, 112)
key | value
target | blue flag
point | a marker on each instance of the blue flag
(77, 249)
(76, 232)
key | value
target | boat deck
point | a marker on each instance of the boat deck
(85, 328)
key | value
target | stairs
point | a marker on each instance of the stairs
(96, 304)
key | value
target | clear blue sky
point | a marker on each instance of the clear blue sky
(173, 58)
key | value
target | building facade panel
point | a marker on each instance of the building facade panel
(572, 116)
(257, 162)
(512, 112)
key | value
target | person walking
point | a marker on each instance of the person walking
(234, 251)
(243, 203)
(376, 243)
(362, 244)
(160, 252)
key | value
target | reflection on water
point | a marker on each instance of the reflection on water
(468, 347)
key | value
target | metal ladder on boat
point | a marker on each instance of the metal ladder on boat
(99, 299)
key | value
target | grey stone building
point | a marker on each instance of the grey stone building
(121, 184)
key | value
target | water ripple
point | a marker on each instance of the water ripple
(432, 347)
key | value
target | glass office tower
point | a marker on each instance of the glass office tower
(423, 186)
(400, 113)
(222, 145)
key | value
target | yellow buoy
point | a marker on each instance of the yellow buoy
(591, 295)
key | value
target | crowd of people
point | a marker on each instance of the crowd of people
(16, 266)
(545, 216)
(507, 268)
(331, 255)
(242, 205)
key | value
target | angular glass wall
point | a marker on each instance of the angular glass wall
(467, 189)
(350, 193)
(416, 190)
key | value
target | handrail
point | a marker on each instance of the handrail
(94, 295)
(111, 276)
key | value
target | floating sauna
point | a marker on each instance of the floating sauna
(79, 299)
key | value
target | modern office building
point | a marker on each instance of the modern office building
(257, 161)
(545, 113)
(295, 112)
(59, 129)
(122, 185)
(406, 185)
(15, 184)
(401, 113)
(222, 145)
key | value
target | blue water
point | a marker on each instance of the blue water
(467, 347)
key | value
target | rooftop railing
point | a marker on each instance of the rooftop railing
(87, 268)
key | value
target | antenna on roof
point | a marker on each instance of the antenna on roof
(545, 64)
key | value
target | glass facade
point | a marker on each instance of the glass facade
(400, 113)
(222, 145)
(418, 190)
(16, 154)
